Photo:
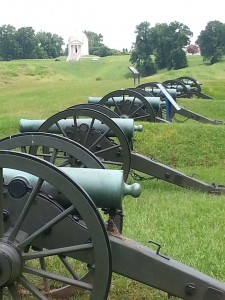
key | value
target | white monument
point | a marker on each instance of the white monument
(77, 46)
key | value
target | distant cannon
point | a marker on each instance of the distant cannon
(177, 90)
(182, 87)
(195, 86)
(132, 103)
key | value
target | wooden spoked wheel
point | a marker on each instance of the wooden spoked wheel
(45, 246)
(129, 103)
(54, 148)
(113, 151)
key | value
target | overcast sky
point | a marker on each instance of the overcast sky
(116, 20)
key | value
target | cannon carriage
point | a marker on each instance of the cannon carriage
(143, 105)
(181, 87)
(114, 150)
(55, 245)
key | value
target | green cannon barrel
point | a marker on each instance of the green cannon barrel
(180, 88)
(155, 102)
(105, 187)
(126, 125)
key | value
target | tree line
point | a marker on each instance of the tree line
(98, 48)
(155, 48)
(165, 45)
(25, 44)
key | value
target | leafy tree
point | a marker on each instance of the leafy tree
(96, 45)
(25, 37)
(165, 41)
(142, 50)
(169, 41)
(25, 44)
(102, 51)
(192, 49)
(146, 67)
(95, 41)
(162, 44)
(9, 47)
(48, 45)
(212, 41)
(143, 44)
(177, 59)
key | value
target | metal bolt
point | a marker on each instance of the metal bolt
(5, 215)
(69, 134)
(190, 289)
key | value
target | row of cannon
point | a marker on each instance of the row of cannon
(181, 87)
(152, 102)
(58, 176)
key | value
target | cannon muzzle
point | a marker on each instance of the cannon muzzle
(126, 125)
(106, 187)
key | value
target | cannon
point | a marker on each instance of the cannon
(107, 149)
(128, 126)
(181, 87)
(51, 248)
(195, 86)
(128, 103)
(114, 151)
(61, 151)
(177, 90)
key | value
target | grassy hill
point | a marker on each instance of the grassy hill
(188, 224)
(59, 84)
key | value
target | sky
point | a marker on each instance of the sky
(116, 20)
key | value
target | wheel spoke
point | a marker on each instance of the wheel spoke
(13, 292)
(69, 268)
(25, 209)
(107, 149)
(32, 289)
(45, 280)
(130, 106)
(60, 129)
(64, 163)
(44, 228)
(60, 278)
(117, 107)
(75, 123)
(115, 163)
(58, 251)
(89, 131)
(54, 156)
(141, 117)
(24, 149)
(139, 108)
(99, 139)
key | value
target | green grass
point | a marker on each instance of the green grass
(189, 225)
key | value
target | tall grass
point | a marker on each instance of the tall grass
(189, 225)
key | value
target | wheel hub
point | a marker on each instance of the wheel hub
(10, 263)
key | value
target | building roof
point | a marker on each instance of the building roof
(78, 36)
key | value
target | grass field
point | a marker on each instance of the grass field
(189, 225)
